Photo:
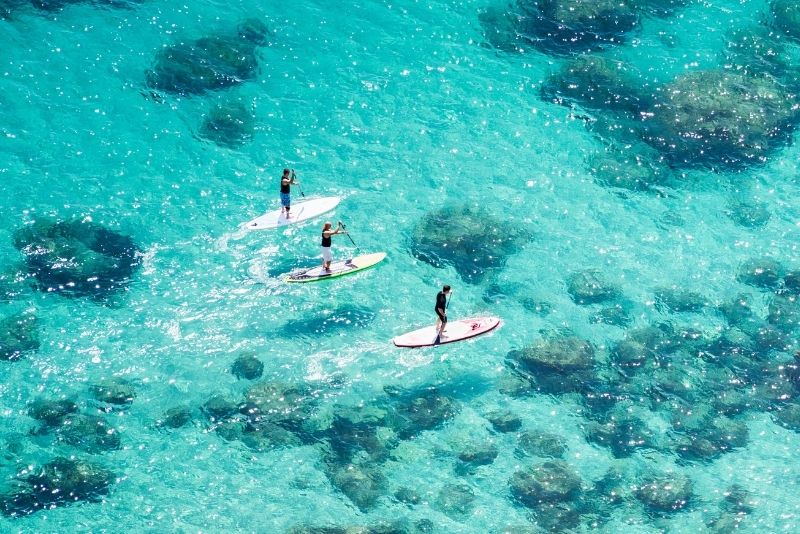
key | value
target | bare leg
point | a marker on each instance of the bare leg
(440, 326)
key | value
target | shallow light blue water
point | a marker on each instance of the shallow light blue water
(400, 109)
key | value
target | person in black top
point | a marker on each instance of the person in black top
(441, 310)
(327, 232)
(287, 181)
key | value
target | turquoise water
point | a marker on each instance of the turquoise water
(400, 109)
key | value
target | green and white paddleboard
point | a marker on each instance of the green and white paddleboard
(338, 268)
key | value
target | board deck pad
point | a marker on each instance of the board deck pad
(455, 331)
(300, 212)
(338, 268)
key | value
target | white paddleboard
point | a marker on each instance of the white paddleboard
(454, 331)
(338, 268)
(300, 212)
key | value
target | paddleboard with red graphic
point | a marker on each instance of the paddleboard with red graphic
(455, 331)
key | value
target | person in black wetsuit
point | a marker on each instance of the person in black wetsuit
(441, 310)
(327, 232)
(287, 181)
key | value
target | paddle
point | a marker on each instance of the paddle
(344, 227)
(298, 185)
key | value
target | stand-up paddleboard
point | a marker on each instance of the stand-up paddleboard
(455, 331)
(338, 268)
(300, 212)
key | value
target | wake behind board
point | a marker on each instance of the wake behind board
(455, 331)
(300, 212)
(338, 268)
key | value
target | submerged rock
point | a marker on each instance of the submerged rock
(788, 416)
(711, 439)
(175, 417)
(786, 17)
(589, 287)
(717, 117)
(218, 408)
(784, 312)
(426, 410)
(209, 63)
(756, 50)
(665, 493)
(114, 391)
(361, 484)
(559, 365)
(77, 258)
(738, 311)
(596, 83)
(616, 315)
(247, 366)
(456, 500)
(51, 412)
(737, 500)
(266, 437)
(229, 125)
(476, 454)
(19, 335)
(761, 272)
(558, 354)
(60, 482)
(360, 430)
(749, 214)
(287, 405)
(552, 481)
(633, 168)
(468, 238)
(791, 283)
(543, 444)
(90, 433)
(622, 433)
(503, 421)
(569, 26)
(675, 300)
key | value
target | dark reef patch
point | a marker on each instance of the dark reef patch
(720, 118)
(77, 258)
(229, 125)
(469, 238)
(209, 63)
(570, 26)
(786, 17)
(60, 482)
(596, 83)
(19, 335)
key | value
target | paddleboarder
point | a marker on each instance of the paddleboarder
(441, 310)
(287, 181)
(327, 232)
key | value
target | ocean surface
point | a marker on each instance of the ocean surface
(410, 111)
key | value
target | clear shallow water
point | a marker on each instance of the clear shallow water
(399, 109)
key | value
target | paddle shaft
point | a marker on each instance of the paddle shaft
(298, 184)
(344, 227)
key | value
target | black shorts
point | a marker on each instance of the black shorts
(441, 316)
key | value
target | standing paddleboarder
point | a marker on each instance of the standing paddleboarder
(327, 232)
(441, 311)
(287, 181)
